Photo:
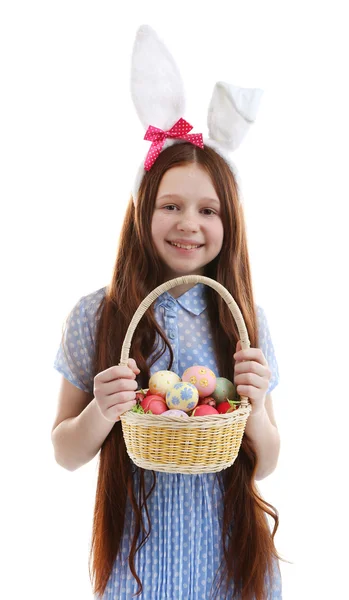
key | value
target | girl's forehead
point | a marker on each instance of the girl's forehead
(189, 179)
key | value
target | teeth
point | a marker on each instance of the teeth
(189, 247)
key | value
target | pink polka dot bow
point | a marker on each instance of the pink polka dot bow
(158, 137)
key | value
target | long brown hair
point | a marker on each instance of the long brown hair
(249, 550)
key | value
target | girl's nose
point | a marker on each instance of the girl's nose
(187, 224)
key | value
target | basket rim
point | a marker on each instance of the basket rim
(180, 419)
(186, 422)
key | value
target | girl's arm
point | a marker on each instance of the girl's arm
(262, 430)
(83, 421)
(79, 429)
(252, 379)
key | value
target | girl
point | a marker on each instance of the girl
(171, 536)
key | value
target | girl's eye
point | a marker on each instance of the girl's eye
(207, 211)
(210, 211)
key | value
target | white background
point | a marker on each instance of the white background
(70, 143)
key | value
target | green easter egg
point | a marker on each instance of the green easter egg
(224, 389)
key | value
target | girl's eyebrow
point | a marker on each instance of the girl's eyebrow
(179, 197)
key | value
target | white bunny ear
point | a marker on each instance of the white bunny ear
(231, 112)
(156, 85)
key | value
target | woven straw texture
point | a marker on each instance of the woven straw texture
(174, 445)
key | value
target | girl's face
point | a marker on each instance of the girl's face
(187, 228)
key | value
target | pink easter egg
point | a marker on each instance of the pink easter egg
(202, 377)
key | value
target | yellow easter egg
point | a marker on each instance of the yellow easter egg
(161, 381)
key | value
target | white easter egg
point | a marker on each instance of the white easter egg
(174, 412)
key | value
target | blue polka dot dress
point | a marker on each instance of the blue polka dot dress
(184, 551)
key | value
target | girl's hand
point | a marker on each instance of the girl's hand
(114, 390)
(252, 376)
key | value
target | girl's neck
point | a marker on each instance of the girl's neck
(180, 289)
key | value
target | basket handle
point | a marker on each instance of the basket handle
(148, 300)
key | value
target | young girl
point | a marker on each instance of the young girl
(171, 536)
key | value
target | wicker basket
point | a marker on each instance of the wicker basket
(196, 445)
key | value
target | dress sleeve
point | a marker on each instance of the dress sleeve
(74, 359)
(266, 345)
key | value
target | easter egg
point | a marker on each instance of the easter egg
(203, 410)
(208, 400)
(224, 389)
(174, 412)
(225, 407)
(182, 396)
(157, 407)
(161, 381)
(145, 403)
(202, 377)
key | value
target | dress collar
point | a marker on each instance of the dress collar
(193, 301)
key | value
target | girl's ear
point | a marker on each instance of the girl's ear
(231, 112)
(156, 84)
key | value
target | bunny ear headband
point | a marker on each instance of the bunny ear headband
(158, 95)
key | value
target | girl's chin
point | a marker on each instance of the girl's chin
(172, 274)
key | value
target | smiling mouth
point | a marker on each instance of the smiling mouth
(186, 246)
